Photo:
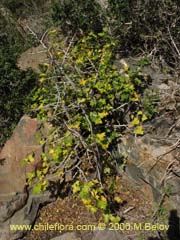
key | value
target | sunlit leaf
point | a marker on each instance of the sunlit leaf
(37, 188)
(118, 199)
(103, 114)
(31, 158)
(100, 136)
(139, 113)
(139, 130)
(102, 203)
(82, 82)
(76, 187)
(144, 118)
(135, 121)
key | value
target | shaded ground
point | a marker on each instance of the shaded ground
(136, 208)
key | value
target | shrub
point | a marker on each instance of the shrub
(74, 15)
(140, 27)
(147, 27)
(15, 85)
(87, 101)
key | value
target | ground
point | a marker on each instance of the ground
(136, 208)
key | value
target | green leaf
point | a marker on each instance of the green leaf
(106, 218)
(139, 113)
(93, 103)
(95, 118)
(37, 188)
(102, 203)
(45, 170)
(30, 176)
(92, 209)
(68, 141)
(114, 219)
(107, 170)
(135, 121)
(139, 130)
(76, 187)
(24, 162)
(100, 136)
(84, 194)
(31, 158)
(144, 118)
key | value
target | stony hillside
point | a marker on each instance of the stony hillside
(89, 119)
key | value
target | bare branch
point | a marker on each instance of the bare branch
(173, 42)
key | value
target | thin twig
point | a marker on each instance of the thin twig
(173, 42)
(171, 128)
(172, 148)
(66, 52)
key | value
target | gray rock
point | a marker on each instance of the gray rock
(149, 162)
(22, 143)
(25, 216)
(107, 234)
(8, 208)
(17, 203)
(149, 157)
(95, 235)
(67, 236)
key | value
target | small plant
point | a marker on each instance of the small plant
(93, 196)
(150, 100)
(37, 178)
(141, 237)
(144, 62)
(137, 121)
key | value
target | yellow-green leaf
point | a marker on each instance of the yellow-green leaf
(31, 158)
(37, 188)
(135, 121)
(139, 130)
(102, 203)
(101, 136)
(135, 98)
(76, 187)
(92, 208)
(139, 113)
(45, 170)
(82, 82)
(103, 114)
(144, 118)
(30, 176)
(117, 199)
(86, 201)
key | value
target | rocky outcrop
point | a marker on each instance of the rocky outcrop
(154, 159)
(153, 164)
(93, 235)
(67, 236)
(22, 143)
(25, 216)
(17, 204)
(32, 58)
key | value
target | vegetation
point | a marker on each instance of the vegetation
(89, 104)
(140, 27)
(147, 27)
(74, 16)
(23, 8)
(87, 101)
(15, 84)
(13, 87)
